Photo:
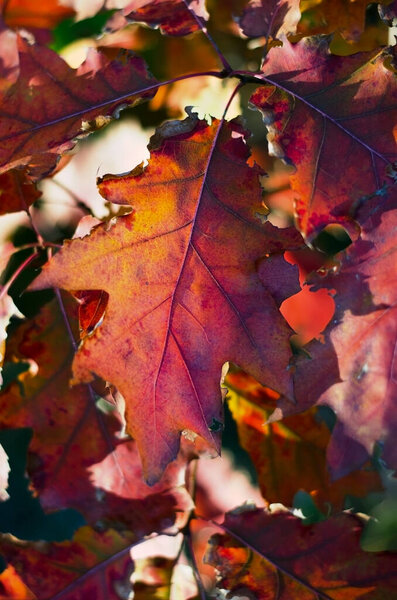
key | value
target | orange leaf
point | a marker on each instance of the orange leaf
(184, 294)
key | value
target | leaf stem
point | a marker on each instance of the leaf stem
(235, 91)
(209, 37)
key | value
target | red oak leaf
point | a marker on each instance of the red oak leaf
(273, 554)
(51, 104)
(180, 305)
(329, 116)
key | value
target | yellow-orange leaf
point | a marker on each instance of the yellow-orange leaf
(184, 292)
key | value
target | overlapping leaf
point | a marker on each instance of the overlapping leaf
(268, 555)
(76, 459)
(330, 116)
(291, 454)
(92, 565)
(51, 104)
(270, 18)
(354, 371)
(174, 17)
(180, 305)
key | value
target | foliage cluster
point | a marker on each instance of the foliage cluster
(240, 283)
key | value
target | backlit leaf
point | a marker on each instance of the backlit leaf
(51, 104)
(330, 117)
(274, 555)
(180, 305)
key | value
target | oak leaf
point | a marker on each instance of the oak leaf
(184, 293)
(52, 104)
(330, 117)
(77, 458)
(274, 554)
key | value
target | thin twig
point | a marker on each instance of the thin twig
(229, 102)
(77, 200)
(209, 37)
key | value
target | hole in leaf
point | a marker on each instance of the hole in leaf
(332, 239)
